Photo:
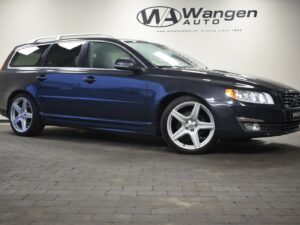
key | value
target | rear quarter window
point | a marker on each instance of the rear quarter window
(28, 56)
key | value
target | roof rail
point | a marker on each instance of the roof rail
(68, 36)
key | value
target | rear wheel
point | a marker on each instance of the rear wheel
(188, 125)
(24, 116)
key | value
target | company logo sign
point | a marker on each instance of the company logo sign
(159, 16)
(163, 16)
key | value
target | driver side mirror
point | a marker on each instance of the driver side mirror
(127, 64)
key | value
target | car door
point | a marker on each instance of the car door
(111, 97)
(58, 84)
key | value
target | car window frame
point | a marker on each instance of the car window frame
(82, 58)
(10, 66)
(62, 67)
(85, 61)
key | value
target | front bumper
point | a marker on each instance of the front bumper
(234, 118)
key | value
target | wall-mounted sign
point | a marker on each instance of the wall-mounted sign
(163, 16)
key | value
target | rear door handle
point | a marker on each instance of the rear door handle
(89, 79)
(41, 77)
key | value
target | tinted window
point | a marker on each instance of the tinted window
(104, 55)
(29, 56)
(64, 54)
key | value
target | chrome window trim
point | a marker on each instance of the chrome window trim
(68, 68)
(49, 69)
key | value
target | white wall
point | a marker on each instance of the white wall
(268, 45)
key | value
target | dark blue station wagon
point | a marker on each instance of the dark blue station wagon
(100, 82)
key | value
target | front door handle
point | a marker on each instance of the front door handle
(89, 79)
(41, 77)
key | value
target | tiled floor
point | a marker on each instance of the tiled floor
(69, 176)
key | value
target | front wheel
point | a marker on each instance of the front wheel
(188, 125)
(24, 117)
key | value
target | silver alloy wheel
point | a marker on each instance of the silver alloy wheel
(21, 114)
(190, 125)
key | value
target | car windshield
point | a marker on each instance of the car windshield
(163, 56)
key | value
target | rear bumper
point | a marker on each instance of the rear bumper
(234, 118)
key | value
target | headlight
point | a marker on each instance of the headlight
(250, 96)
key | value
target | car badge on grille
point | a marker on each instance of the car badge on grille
(295, 100)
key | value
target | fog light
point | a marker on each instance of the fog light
(252, 126)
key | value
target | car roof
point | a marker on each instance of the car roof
(77, 37)
(81, 37)
(69, 37)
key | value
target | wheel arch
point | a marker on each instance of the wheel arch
(14, 94)
(167, 100)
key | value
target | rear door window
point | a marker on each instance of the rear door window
(64, 54)
(28, 56)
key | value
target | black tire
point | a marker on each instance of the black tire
(164, 130)
(36, 126)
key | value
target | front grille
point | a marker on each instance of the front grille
(280, 127)
(290, 99)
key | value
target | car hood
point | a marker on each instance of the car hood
(238, 80)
